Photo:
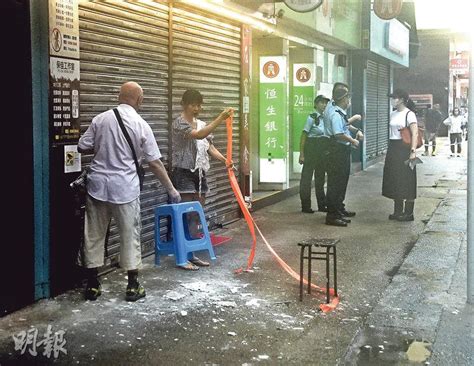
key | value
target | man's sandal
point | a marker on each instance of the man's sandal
(189, 267)
(199, 262)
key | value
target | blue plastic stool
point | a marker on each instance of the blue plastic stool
(181, 244)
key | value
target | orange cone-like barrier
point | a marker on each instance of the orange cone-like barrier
(252, 225)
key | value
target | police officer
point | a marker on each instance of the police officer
(338, 127)
(313, 154)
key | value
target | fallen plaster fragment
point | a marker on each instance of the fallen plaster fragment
(253, 302)
(227, 304)
(173, 295)
(196, 286)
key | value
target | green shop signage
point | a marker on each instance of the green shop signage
(301, 105)
(273, 117)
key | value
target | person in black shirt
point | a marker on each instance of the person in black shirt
(433, 119)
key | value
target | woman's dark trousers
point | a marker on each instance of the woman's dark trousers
(456, 140)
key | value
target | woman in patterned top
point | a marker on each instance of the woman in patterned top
(192, 146)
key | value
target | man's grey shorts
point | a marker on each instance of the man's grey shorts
(186, 181)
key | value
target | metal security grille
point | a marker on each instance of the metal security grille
(383, 107)
(119, 42)
(371, 110)
(377, 108)
(206, 57)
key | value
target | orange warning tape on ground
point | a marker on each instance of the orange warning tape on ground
(252, 225)
(324, 307)
(238, 194)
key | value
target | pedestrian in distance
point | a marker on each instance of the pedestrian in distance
(113, 187)
(465, 118)
(192, 146)
(399, 180)
(338, 127)
(314, 145)
(433, 119)
(455, 124)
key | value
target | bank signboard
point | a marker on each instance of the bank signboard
(273, 117)
(302, 95)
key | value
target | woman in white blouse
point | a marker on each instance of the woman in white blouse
(455, 124)
(399, 180)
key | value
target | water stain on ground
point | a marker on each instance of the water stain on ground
(388, 346)
(418, 351)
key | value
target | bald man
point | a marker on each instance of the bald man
(113, 187)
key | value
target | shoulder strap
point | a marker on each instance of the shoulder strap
(127, 137)
(342, 115)
(315, 118)
(406, 118)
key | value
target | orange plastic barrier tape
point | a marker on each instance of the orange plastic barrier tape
(324, 307)
(252, 225)
(238, 194)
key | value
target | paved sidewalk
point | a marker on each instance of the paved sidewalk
(403, 298)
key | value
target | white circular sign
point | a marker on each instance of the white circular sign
(303, 6)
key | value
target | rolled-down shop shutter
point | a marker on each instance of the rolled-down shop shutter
(119, 42)
(206, 57)
(371, 131)
(377, 108)
(383, 107)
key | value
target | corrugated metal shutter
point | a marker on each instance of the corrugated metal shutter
(383, 105)
(371, 110)
(377, 108)
(206, 57)
(121, 41)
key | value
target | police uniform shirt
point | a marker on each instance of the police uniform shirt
(327, 123)
(335, 122)
(313, 128)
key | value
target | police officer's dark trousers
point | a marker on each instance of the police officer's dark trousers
(339, 167)
(315, 160)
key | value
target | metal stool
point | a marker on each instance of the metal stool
(327, 248)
